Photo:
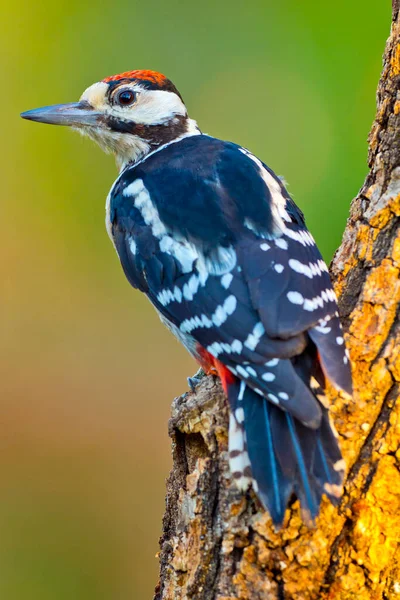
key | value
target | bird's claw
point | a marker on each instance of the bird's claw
(194, 381)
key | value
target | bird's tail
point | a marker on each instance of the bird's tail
(282, 456)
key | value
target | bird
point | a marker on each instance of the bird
(211, 236)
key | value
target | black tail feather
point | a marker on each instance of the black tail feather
(273, 488)
(286, 457)
(295, 445)
(304, 487)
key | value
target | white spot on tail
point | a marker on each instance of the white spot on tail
(239, 414)
(238, 457)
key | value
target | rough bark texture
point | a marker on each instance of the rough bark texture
(216, 543)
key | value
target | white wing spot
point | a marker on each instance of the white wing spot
(301, 236)
(279, 268)
(237, 346)
(133, 188)
(242, 371)
(230, 304)
(132, 246)
(222, 261)
(283, 395)
(278, 201)
(148, 210)
(251, 371)
(223, 311)
(195, 322)
(295, 297)
(309, 270)
(226, 280)
(218, 348)
(254, 337)
(268, 376)
(272, 363)
(177, 294)
(323, 329)
(265, 247)
(184, 252)
(311, 304)
(281, 243)
(340, 341)
(167, 296)
(273, 398)
(191, 287)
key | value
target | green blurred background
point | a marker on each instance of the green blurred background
(87, 371)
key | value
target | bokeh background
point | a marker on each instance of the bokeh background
(87, 371)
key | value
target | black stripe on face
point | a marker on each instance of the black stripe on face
(155, 135)
(167, 86)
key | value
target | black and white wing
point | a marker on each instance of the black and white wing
(214, 240)
(210, 234)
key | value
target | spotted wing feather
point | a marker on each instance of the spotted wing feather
(211, 236)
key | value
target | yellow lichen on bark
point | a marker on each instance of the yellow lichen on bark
(368, 555)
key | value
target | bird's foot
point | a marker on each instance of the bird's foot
(194, 381)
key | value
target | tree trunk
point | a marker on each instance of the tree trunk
(216, 543)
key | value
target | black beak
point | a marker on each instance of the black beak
(75, 114)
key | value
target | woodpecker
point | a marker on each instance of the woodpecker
(210, 234)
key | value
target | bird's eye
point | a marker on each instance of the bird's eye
(125, 97)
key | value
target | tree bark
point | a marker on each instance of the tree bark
(217, 544)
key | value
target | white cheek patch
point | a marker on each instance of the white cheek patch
(152, 107)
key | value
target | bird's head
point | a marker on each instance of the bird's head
(130, 114)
